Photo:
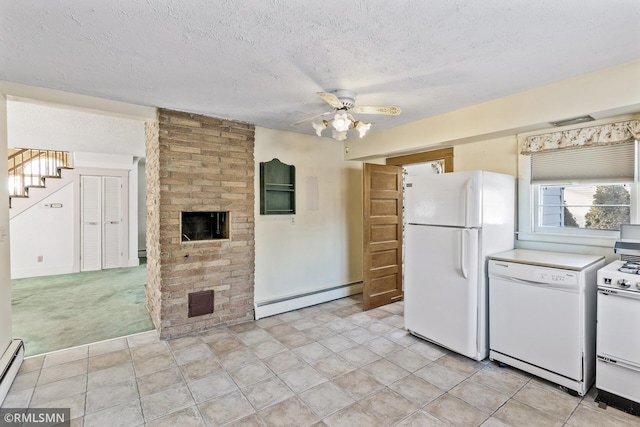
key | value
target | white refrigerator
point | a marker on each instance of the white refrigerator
(453, 221)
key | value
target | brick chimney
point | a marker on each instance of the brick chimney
(197, 163)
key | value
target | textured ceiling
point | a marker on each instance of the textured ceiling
(261, 61)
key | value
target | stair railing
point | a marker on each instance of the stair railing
(30, 167)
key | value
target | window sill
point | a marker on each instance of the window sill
(569, 239)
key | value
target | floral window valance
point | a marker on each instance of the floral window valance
(611, 133)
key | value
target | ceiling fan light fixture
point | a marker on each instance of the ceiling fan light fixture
(343, 103)
(319, 126)
(339, 135)
(341, 122)
(362, 128)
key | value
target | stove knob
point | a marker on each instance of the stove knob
(638, 285)
(624, 283)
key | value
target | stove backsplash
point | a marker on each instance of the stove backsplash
(628, 247)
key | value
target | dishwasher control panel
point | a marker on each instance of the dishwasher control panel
(534, 274)
(555, 276)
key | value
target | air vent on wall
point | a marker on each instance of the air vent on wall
(573, 121)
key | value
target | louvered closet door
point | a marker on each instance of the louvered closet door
(101, 218)
(112, 217)
(91, 223)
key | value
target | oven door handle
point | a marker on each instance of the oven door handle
(619, 293)
(617, 362)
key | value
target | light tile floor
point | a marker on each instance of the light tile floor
(330, 364)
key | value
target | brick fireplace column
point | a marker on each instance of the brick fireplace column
(196, 163)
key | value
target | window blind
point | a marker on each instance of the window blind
(606, 163)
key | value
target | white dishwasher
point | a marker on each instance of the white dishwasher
(542, 314)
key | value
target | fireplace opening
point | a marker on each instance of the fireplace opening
(205, 226)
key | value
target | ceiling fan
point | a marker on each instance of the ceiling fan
(343, 103)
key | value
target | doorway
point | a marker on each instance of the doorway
(383, 222)
(106, 148)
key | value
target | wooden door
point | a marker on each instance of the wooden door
(382, 263)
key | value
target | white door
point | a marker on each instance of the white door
(101, 221)
(450, 199)
(441, 286)
(112, 218)
(91, 223)
(616, 312)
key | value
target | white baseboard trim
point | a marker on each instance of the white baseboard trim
(295, 302)
(10, 363)
(21, 273)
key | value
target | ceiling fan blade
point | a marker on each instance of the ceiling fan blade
(308, 119)
(390, 110)
(331, 99)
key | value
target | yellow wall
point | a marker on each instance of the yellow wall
(495, 155)
(485, 136)
(605, 93)
(321, 245)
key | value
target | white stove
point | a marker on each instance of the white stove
(618, 350)
(620, 275)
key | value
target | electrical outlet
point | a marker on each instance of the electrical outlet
(40, 258)
(293, 220)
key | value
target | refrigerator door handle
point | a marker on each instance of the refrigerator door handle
(463, 252)
(467, 195)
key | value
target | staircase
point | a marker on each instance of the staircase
(33, 168)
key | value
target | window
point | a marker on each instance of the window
(576, 194)
(593, 207)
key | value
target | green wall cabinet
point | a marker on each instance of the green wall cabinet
(277, 188)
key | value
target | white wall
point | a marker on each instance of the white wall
(42, 231)
(421, 169)
(33, 125)
(5, 266)
(322, 248)
(97, 141)
(52, 233)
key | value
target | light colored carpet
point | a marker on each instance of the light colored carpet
(54, 312)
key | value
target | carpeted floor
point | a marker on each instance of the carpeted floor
(54, 312)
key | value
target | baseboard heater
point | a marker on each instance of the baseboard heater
(9, 365)
(307, 299)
